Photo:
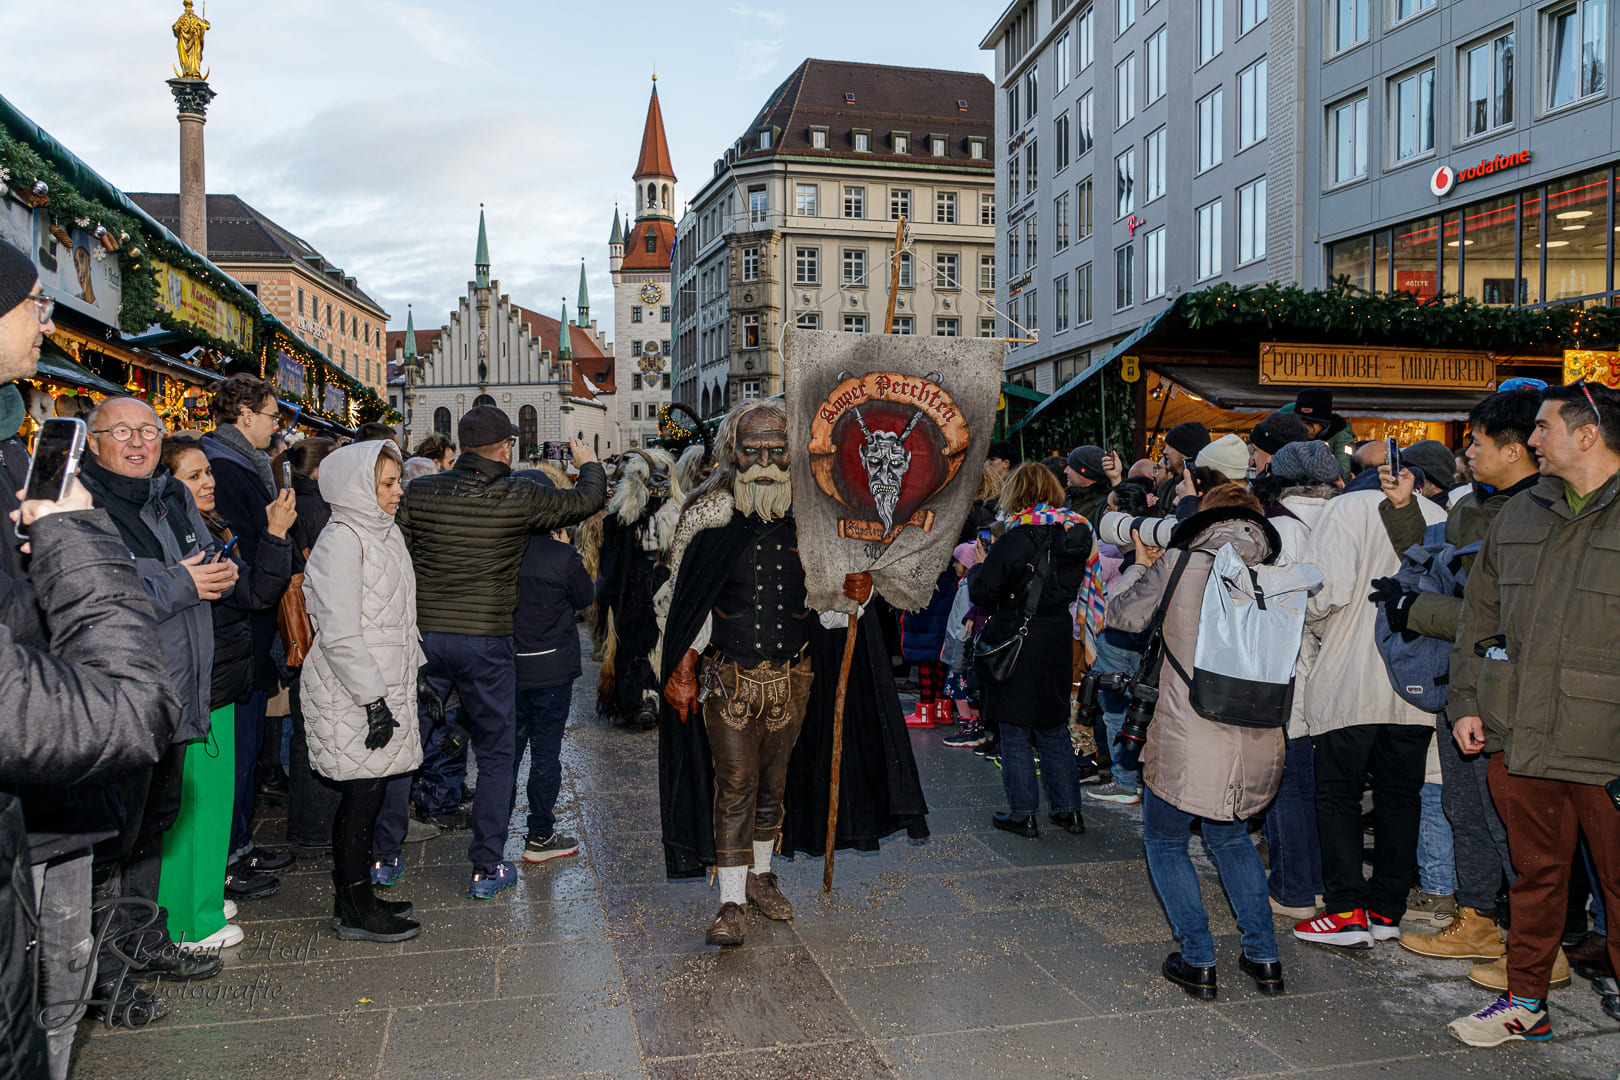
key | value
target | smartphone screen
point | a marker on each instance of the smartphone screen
(286, 474)
(1392, 450)
(56, 459)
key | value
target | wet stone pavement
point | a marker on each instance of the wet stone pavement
(975, 955)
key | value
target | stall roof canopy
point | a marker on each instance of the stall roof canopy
(57, 364)
(1097, 365)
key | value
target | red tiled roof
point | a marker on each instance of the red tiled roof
(424, 341)
(654, 160)
(636, 255)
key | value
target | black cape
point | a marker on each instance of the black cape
(880, 792)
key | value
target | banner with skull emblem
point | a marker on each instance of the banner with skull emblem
(887, 436)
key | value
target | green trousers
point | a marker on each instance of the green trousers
(192, 885)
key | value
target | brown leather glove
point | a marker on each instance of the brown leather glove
(682, 689)
(858, 587)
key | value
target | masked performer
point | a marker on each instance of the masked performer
(741, 654)
(632, 568)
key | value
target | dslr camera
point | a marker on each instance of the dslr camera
(1140, 686)
(1116, 528)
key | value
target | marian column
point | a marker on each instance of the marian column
(192, 95)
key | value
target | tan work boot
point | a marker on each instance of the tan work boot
(730, 926)
(1493, 976)
(767, 897)
(1470, 936)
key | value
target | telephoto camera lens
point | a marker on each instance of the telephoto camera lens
(1115, 528)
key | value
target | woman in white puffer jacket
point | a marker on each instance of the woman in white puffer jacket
(359, 682)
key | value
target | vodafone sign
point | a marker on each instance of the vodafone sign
(1445, 177)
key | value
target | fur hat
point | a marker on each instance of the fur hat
(1227, 455)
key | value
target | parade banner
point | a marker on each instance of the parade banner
(887, 435)
(80, 275)
(190, 301)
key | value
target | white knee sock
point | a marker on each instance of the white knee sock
(733, 884)
(762, 856)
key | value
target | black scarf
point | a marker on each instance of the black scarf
(123, 497)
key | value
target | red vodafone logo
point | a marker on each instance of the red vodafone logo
(1445, 177)
(1443, 180)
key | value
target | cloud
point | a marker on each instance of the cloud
(431, 32)
(758, 55)
(774, 18)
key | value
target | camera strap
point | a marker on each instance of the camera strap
(1153, 655)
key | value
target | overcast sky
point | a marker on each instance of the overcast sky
(374, 128)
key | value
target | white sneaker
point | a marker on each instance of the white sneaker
(226, 936)
(1502, 1021)
(230, 910)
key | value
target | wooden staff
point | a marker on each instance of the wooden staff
(854, 619)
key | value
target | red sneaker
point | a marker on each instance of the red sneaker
(1347, 929)
(922, 716)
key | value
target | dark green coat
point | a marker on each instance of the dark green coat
(467, 529)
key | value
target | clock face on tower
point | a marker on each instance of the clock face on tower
(651, 293)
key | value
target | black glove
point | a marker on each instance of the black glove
(380, 725)
(1396, 601)
(453, 743)
(428, 700)
(1127, 753)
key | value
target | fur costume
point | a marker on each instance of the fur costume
(629, 573)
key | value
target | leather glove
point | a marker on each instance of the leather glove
(1396, 601)
(428, 700)
(380, 725)
(1127, 753)
(682, 689)
(858, 587)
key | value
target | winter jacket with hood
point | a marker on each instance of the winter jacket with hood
(1347, 685)
(360, 588)
(1294, 515)
(1217, 771)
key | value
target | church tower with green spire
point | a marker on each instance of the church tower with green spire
(582, 307)
(410, 360)
(481, 260)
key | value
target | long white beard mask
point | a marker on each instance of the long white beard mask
(769, 501)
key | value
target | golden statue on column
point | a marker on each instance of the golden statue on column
(189, 29)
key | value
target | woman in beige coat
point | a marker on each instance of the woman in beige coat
(359, 682)
(1196, 769)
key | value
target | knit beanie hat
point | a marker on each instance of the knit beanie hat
(17, 277)
(1189, 438)
(963, 554)
(1227, 455)
(1314, 403)
(1088, 462)
(1436, 461)
(1309, 462)
(1277, 431)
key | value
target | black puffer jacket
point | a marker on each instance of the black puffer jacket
(467, 529)
(313, 514)
(258, 591)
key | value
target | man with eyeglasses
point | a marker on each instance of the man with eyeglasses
(245, 415)
(1535, 685)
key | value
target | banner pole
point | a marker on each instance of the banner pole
(838, 751)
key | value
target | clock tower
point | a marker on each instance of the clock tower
(643, 309)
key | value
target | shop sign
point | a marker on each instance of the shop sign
(1445, 177)
(190, 301)
(334, 400)
(1592, 365)
(83, 277)
(292, 377)
(1374, 365)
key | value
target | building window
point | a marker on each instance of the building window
(750, 264)
(1487, 91)
(1125, 184)
(1060, 303)
(987, 208)
(1157, 54)
(1015, 262)
(1251, 210)
(750, 331)
(1013, 112)
(751, 389)
(1083, 25)
(1082, 294)
(1069, 367)
(805, 200)
(1127, 16)
(1209, 239)
(987, 326)
(1031, 243)
(944, 327)
(818, 138)
(1351, 23)
(1411, 106)
(1060, 143)
(1576, 41)
(664, 346)
(854, 324)
(635, 348)
(635, 312)
(1060, 53)
(987, 273)
(652, 242)
(905, 325)
(1347, 135)
(441, 421)
(1153, 264)
(765, 139)
(1082, 209)
(906, 281)
(1405, 9)
(976, 149)
(1153, 158)
(902, 143)
(1124, 90)
(936, 145)
(1124, 277)
(899, 203)
(1252, 100)
(945, 207)
(1082, 124)
(1060, 223)
(663, 313)
(854, 202)
(810, 320)
(807, 266)
(300, 301)
(863, 142)
(1031, 165)
(1032, 89)
(1210, 31)
(758, 204)
(854, 266)
(1251, 13)
(1209, 129)
(945, 271)
(635, 409)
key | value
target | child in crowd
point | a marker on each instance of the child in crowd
(957, 656)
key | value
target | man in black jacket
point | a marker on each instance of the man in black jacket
(467, 530)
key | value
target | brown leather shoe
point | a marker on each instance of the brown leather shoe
(767, 898)
(730, 926)
(1589, 957)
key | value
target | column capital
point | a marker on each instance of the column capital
(192, 96)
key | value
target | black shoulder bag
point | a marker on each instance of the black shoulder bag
(998, 659)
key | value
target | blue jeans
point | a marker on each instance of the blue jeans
(541, 716)
(1112, 656)
(1437, 864)
(249, 740)
(1165, 831)
(1058, 769)
(1296, 853)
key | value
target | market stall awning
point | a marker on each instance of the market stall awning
(57, 364)
(1234, 389)
(1122, 349)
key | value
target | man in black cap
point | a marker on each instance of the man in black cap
(1271, 435)
(467, 529)
(1315, 406)
(1181, 446)
(1086, 482)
